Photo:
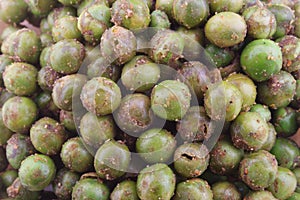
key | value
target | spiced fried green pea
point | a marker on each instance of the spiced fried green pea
(89, 3)
(159, 19)
(67, 119)
(13, 11)
(23, 45)
(286, 152)
(221, 57)
(190, 13)
(75, 156)
(19, 113)
(46, 78)
(223, 5)
(65, 28)
(260, 59)
(101, 96)
(65, 88)
(36, 172)
(94, 130)
(101, 67)
(45, 57)
(258, 170)
(278, 91)
(222, 32)
(170, 100)
(40, 8)
(64, 182)
(131, 14)
(93, 22)
(5, 132)
(67, 56)
(193, 189)
(225, 157)
(165, 5)
(90, 188)
(47, 136)
(225, 190)
(285, 121)
(18, 192)
(46, 105)
(260, 195)
(122, 49)
(5, 61)
(8, 177)
(191, 159)
(112, 160)
(284, 184)
(160, 181)
(125, 190)
(261, 22)
(59, 13)
(263, 110)
(270, 142)
(46, 39)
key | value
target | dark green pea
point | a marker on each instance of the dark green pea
(19, 113)
(285, 121)
(40, 8)
(284, 184)
(65, 88)
(88, 3)
(170, 100)
(70, 2)
(160, 181)
(295, 196)
(101, 96)
(46, 105)
(261, 22)
(123, 49)
(24, 45)
(193, 189)
(46, 78)
(222, 32)
(45, 57)
(217, 6)
(156, 145)
(101, 67)
(8, 177)
(229, 101)
(134, 114)
(195, 125)
(18, 192)
(75, 156)
(284, 18)
(67, 120)
(67, 56)
(125, 190)
(13, 11)
(258, 170)
(47, 136)
(212, 178)
(20, 79)
(112, 160)
(5, 61)
(3, 160)
(296, 171)
(94, 130)
(259, 195)
(131, 14)
(249, 131)
(220, 57)
(286, 152)
(64, 182)
(225, 190)
(159, 19)
(59, 13)
(246, 87)
(225, 158)
(263, 110)
(90, 188)
(278, 91)
(290, 52)
(166, 47)
(190, 13)
(268, 145)
(191, 159)
(196, 76)
(46, 39)
(140, 74)
(5, 133)
(17, 149)
(260, 59)
(93, 22)
(36, 172)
